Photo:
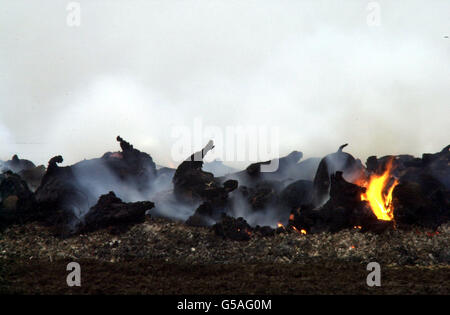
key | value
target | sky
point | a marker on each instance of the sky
(374, 74)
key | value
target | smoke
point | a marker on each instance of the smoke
(218, 168)
(315, 69)
(95, 177)
(268, 216)
(7, 144)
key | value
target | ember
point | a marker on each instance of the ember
(301, 232)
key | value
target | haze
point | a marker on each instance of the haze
(314, 69)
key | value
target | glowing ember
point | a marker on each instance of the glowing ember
(379, 200)
(117, 155)
(302, 231)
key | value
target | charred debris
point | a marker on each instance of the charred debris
(315, 195)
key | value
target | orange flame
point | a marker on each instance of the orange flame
(381, 202)
(302, 231)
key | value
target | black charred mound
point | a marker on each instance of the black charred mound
(343, 210)
(288, 169)
(66, 193)
(17, 201)
(262, 195)
(59, 199)
(215, 203)
(427, 205)
(297, 194)
(236, 229)
(33, 177)
(30, 173)
(422, 196)
(111, 212)
(329, 165)
(203, 216)
(316, 195)
(192, 185)
(17, 165)
(131, 165)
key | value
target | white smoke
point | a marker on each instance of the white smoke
(7, 144)
(313, 68)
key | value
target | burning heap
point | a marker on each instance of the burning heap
(329, 194)
(393, 190)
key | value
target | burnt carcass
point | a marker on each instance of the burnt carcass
(344, 209)
(269, 202)
(17, 202)
(111, 212)
(264, 194)
(236, 229)
(422, 196)
(193, 186)
(266, 190)
(296, 195)
(131, 166)
(339, 161)
(67, 193)
(60, 200)
(30, 173)
(400, 191)
(16, 164)
(283, 170)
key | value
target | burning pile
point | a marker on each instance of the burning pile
(329, 194)
(380, 196)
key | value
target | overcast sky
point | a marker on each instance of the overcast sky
(317, 70)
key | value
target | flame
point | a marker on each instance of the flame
(302, 231)
(380, 202)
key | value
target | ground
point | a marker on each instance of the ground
(164, 257)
